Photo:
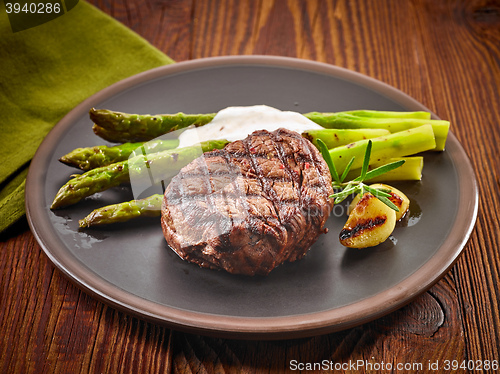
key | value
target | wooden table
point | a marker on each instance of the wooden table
(445, 54)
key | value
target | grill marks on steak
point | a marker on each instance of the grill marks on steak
(247, 208)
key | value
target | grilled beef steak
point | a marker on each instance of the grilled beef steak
(251, 206)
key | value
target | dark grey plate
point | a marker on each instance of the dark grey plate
(131, 267)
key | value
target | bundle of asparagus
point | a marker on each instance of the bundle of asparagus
(394, 136)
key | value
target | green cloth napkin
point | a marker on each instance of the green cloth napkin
(47, 70)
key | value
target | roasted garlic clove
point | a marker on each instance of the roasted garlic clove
(398, 198)
(370, 223)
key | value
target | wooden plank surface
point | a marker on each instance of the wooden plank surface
(445, 54)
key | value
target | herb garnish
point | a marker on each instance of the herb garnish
(356, 185)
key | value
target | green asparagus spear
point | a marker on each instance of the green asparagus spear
(123, 127)
(97, 156)
(101, 155)
(122, 212)
(100, 179)
(411, 170)
(90, 182)
(349, 121)
(388, 114)
(93, 157)
(400, 144)
(338, 137)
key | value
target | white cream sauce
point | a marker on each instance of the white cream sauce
(234, 123)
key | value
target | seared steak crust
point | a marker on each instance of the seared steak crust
(251, 206)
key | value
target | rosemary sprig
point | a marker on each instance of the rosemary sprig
(355, 186)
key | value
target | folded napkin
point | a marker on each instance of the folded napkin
(47, 70)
